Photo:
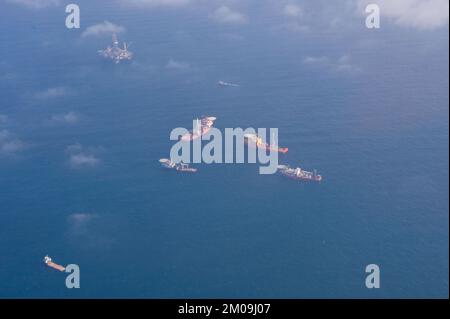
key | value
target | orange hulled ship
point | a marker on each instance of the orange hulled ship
(202, 126)
(51, 264)
(256, 141)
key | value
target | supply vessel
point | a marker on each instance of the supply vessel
(299, 174)
(256, 141)
(181, 167)
(201, 127)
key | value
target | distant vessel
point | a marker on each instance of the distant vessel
(256, 141)
(203, 126)
(51, 264)
(167, 163)
(181, 167)
(116, 53)
(223, 83)
(298, 173)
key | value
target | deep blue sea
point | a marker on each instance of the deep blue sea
(80, 139)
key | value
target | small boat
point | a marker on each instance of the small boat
(223, 83)
(167, 163)
(181, 167)
(53, 265)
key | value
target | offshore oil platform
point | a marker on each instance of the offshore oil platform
(115, 52)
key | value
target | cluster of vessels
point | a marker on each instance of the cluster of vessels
(202, 127)
(205, 124)
(115, 52)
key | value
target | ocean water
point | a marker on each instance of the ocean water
(367, 109)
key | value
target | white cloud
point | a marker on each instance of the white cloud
(79, 157)
(79, 222)
(315, 60)
(341, 64)
(9, 145)
(294, 22)
(81, 160)
(225, 15)
(36, 4)
(101, 29)
(67, 118)
(177, 65)
(157, 3)
(421, 14)
(80, 218)
(74, 148)
(292, 10)
(345, 64)
(52, 93)
(82, 230)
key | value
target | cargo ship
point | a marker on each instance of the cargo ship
(202, 127)
(181, 167)
(51, 264)
(299, 174)
(256, 141)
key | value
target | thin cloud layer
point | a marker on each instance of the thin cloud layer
(101, 29)
(80, 157)
(225, 15)
(420, 14)
(67, 118)
(157, 3)
(341, 64)
(79, 222)
(83, 160)
(293, 17)
(292, 10)
(177, 65)
(52, 93)
(9, 144)
(3, 119)
(311, 60)
(36, 4)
